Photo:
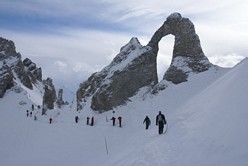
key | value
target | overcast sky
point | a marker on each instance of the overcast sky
(71, 39)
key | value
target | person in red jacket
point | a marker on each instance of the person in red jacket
(119, 119)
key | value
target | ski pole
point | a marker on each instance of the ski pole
(106, 145)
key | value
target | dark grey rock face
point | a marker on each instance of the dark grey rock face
(10, 62)
(49, 97)
(134, 67)
(33, 72)
(187, 53)
(6, 79)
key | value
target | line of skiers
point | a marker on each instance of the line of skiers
(89, 121)
(160, 120)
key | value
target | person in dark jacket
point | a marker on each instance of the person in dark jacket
(88, 120)
(50, 121)
(92, 121)
(147, 121)
(113, 119)
(160, 121)
(76, 119)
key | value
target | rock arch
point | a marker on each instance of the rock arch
(187, 53)
(135, 66)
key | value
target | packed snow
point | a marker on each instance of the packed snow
(207, 125)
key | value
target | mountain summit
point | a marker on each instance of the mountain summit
(136, 66)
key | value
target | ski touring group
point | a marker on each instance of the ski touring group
(160, 120)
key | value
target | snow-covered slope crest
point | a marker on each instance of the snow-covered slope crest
(209, 129)
(134, 67)
(207, 124)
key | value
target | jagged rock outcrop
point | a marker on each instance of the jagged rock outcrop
(11, 66)
(14, 61)
(6, 79)
(33, 72)
(49, 97)
(134, 67)
(60, 102)
(187, 53)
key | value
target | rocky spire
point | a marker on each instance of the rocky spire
(49, 97)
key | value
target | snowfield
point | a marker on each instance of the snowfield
(207, 126)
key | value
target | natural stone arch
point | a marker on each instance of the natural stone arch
(187, 53)
(135, 66)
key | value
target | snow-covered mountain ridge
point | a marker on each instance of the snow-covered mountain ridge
(206, 126)
(135, 67)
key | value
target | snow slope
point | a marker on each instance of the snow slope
(207, 125)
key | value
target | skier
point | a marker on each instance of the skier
(147, 121)
(27, 113)
(160, 121)
(113, 119)
(50, 120)
(76, 119)
(88, 120)
(92, 121)
(119, 119)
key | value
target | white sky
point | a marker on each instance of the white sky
(72, 39)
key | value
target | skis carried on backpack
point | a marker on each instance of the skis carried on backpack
(166, 128)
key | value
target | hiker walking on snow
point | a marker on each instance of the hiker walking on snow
(27, 113)
(119, 119)
(50, 120)
(147, 121)
(76, 119)
(160, 121)
(88, 120)
(113, 119)
(92, 121)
